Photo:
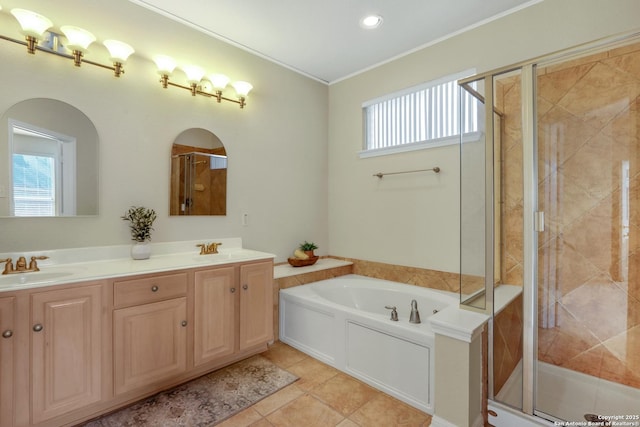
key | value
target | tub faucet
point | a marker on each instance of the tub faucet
(415, 315)
(394, 312)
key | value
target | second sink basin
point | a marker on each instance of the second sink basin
(32, 277)
(225, 256)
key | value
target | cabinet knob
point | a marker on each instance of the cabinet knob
(245, 287)
(37, 327)
(7, 334)
(233, 290)
(184, 323)
(154, 288)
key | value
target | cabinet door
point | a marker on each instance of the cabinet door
(256, 304)
(214, 314)
(150, 343)
(7, 327)
(66, 342)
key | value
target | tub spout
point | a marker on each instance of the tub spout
(415, 315)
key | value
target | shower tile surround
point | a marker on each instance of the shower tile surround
(589, 297)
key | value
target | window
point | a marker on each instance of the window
(43, 181)
(34, 185)
(419, 117)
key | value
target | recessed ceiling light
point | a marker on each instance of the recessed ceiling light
(371, 21)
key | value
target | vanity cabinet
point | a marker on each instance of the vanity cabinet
(256, 304)
(233, 310)
(7, 346)
(71, 352)
(149, 330)
(67, 335)
(215, 309)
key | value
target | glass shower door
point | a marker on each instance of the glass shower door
(588, 144)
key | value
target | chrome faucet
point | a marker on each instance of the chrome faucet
(206, 249)
(21, 265)
(394, 312)
(415, 315)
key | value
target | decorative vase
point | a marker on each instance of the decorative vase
(310, 253)
(141, 250)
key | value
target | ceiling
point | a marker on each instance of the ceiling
(324, 39)
(319, 39)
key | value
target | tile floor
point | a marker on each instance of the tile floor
(324, 397)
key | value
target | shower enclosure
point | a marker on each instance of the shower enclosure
(550, 202)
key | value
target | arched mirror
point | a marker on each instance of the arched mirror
(49, 153)
(198, 174)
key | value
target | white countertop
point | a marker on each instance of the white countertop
(94, 263)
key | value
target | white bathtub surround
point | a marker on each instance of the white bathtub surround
(344, 323)
(458, 367)
(96, 262)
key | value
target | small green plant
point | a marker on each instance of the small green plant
(140, 222)
(308, 246)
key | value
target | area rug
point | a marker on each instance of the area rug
(205, 401)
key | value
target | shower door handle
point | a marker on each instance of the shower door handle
(538, 221)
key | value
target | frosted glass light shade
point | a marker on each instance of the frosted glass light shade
(219, 81)
(33, 24)
(79, 39)
(165, 64)
(194, 73)
(118, 50)
(242, 88)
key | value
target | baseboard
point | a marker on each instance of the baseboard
(436, 421)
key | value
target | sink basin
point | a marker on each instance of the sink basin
(224, 256)
(33, 277)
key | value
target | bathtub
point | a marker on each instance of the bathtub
(343, 322)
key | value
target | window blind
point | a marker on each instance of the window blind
(426, 113)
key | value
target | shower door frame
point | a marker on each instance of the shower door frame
(531, 228)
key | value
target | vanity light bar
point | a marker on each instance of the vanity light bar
(210, 86)
(35, 28)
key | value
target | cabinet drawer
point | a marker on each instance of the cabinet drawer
(149, 289)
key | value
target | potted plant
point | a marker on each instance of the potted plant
(308, 248)
(140, 224)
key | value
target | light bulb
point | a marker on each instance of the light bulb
(33, 24)
(118, 50)
(165, 64)
(371, 21)
(194, 73)
(79, 39)
(219, 81)
(242, 88)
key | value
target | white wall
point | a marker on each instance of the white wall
(413, 219)
(277, 145)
